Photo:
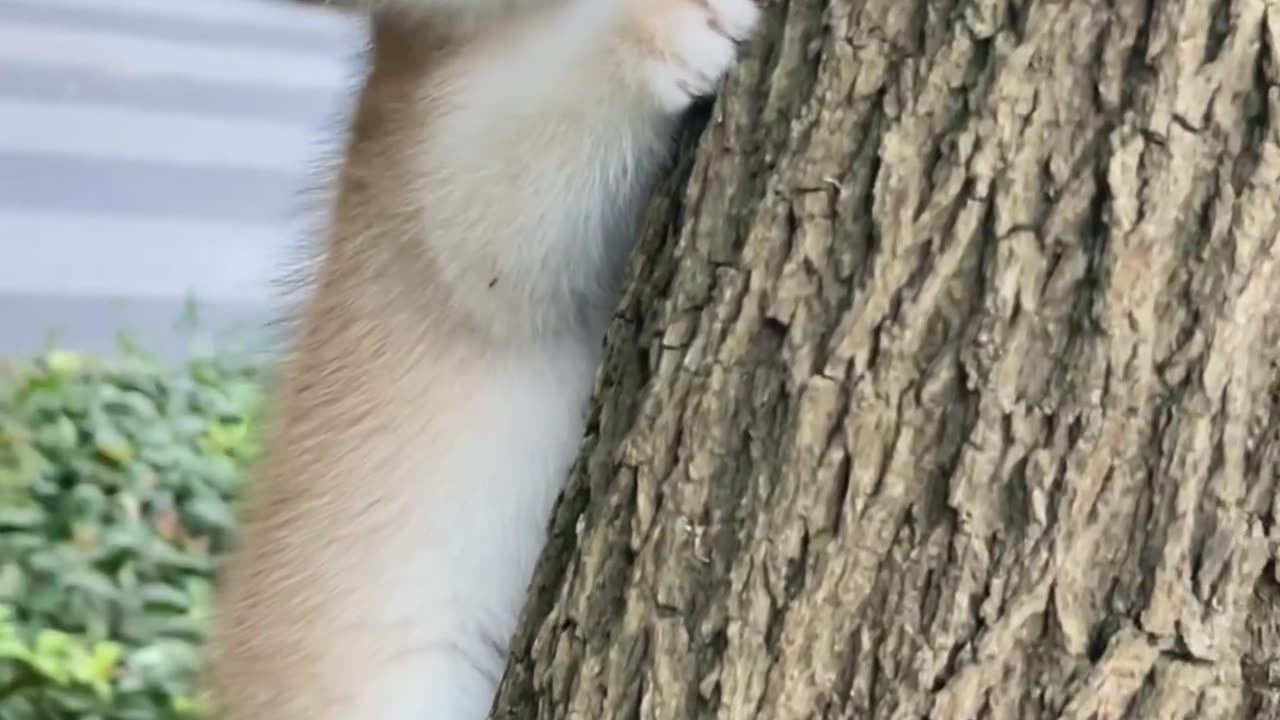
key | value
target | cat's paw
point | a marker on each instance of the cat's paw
(691, 44)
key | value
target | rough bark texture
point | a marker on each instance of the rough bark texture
(946, 384)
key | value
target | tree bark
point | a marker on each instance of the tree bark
(945, 384)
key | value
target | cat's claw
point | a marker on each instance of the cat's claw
(699, 43)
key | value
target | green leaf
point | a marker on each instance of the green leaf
(114, 446)
(28, 517)
(118, 481)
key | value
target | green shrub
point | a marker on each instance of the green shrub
(117, 485)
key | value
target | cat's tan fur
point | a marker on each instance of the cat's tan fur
(432, 397)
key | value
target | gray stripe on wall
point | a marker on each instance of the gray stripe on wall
(157, 149)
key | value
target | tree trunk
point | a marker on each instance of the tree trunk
(945, 384)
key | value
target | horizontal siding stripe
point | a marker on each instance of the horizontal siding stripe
(59, 87)
(123, 55)
(172, 138)
(142, 257)
(64, 183)
(347, 37)
(271, 14)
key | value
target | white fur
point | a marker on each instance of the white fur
(534, 171)
(549, 135)
(451, 583)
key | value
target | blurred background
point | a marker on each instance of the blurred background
(153, 160)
